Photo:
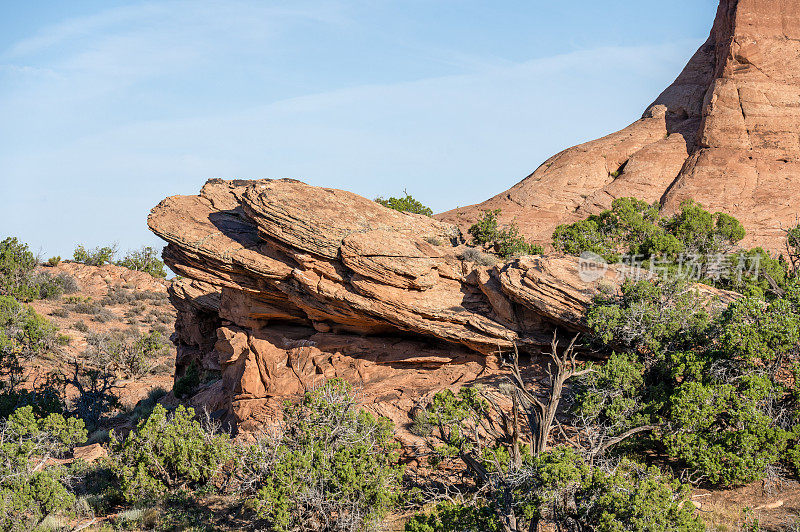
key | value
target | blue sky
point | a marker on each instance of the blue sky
(106, 107)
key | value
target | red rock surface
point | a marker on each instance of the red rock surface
(726, 133)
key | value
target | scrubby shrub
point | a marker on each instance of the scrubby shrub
(96, 256)
(16, 266)
(478, 257)
(29, 491)
(405, 204)
(54, 261)
(19, 277)
(128, 351)
(699, 231)
(455, 517)
(69, 285)
(49, 287)
(43, 285)
(119, 295)
(754, 273)
(793, 249)
(60, 313)
(651, 315)
(188, 382)
(756, 330)
(630, 496)
(724, 431)
(485, 230)
(161, 317)
(91, 308)
(585, 236)
(144, 260)
(559, 488)
(23, 333)
(708, 381)
(511, 244)
(505, 241)
(614, 399)
(168, 450)
(636, 228)
(630, 226)
(329, 466)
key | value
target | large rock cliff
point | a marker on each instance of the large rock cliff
(726, 133)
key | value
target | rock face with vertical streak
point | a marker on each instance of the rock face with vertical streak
(284, 285)
(726, 133)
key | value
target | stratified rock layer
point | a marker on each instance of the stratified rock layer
(726, 133)
(284, 285)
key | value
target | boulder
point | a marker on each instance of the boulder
(89, 453)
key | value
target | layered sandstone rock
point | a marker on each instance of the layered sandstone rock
(284, 285)
(726, 133)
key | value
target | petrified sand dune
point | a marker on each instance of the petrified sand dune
(285, 284)
(726, 133)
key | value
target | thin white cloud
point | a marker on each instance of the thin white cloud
(247, 18)
(91, 116)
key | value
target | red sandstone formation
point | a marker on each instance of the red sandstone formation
(285, 284)
(726, 133)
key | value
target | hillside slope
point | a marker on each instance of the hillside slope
(726, 133)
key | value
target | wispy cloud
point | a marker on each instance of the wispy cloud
(250, 21)
(109, 113)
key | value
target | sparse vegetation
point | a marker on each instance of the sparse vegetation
(478, 257)
(505, 241)
(95, 257)
(90, 307)
(60, 313)
(144, 260)
(633, 227)
(23, 333)
(20, 279)
(128, 351)
(328, 467)
(119, 295)
(168, 451)
(405, 204)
